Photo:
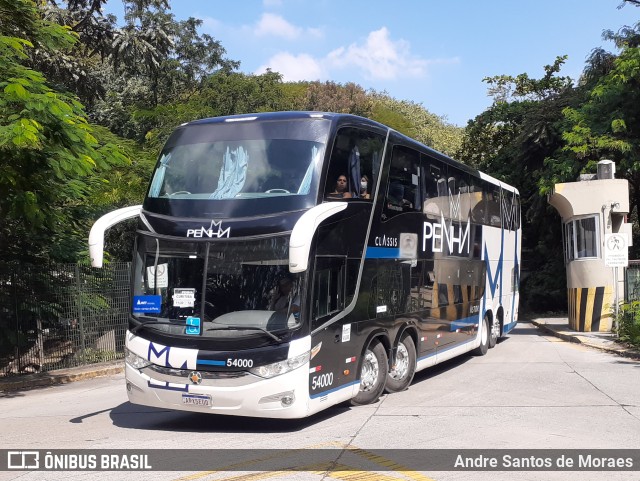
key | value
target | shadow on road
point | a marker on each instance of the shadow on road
(132, 416)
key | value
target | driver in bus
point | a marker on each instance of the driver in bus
(340, 191)
(282, 295)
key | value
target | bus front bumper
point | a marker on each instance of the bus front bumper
(283, 396)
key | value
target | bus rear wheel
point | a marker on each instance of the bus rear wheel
(404, 367)
(485, 334)
(373, 374)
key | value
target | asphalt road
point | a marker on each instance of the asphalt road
(531, 392)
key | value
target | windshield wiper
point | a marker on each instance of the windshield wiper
(231, 327)
(152, 320)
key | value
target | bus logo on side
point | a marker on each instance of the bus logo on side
(441, 232)
(210, 232)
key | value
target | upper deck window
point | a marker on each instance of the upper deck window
(255, 161)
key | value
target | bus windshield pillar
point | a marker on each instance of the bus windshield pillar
(303, 231)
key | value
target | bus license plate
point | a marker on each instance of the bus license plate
(196, 399)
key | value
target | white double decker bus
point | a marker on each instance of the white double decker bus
(286, 262)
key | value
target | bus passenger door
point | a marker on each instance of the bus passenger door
(332, 345)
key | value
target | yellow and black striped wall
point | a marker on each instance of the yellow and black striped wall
(590, 308)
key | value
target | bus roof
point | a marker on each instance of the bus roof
(285, 116)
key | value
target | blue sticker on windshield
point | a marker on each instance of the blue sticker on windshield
(193, 326)
(152, 304)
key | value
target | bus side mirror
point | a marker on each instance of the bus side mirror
(302, 233)
(96, 236)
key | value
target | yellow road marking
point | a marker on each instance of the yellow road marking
(254, 476)
(247, 464)
(341, 471)
(336, 471)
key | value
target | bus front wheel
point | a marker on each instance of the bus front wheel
(404, 367)
(373, 374)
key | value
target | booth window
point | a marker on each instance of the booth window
(582, 238)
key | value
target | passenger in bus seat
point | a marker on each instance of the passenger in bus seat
(364, 187)
(340, 191)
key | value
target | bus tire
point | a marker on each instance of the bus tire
(373, 374)
(401, 373)
(485, 334)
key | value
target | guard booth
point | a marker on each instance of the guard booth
(596, 238)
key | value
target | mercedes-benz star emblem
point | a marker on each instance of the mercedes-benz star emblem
(195, 377)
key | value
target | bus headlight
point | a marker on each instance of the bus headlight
(136, 361)
(281, 367)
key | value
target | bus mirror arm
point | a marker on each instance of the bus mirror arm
(96, 236)
(302, 233)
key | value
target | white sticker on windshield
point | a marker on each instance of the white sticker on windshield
(184, 297)
(160, 273)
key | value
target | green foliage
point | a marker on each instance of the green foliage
(349, 98)
(412, 119)
(229, 93)
(504, 88)
(628, 323)
(47, 148)
(94, 356)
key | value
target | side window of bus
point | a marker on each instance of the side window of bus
(461, 202)
(477, 200)
(492, 214)
(510, 210)
(434, 174)
(453, 193)
(356, 155)
(403, 190)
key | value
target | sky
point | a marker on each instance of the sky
(432, 52)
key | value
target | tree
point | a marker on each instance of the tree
(607, 124)
(412, 119)
(505, 88)
(74, 69)
(155, 63)
(47, 150)
(349, 98)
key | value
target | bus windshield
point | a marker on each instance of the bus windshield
(253, 160)
(235, 288)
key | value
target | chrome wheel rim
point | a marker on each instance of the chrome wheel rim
(370, 370)
(401, 367)
(495, 331)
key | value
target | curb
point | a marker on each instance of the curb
(618, 349)
(60, 376)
